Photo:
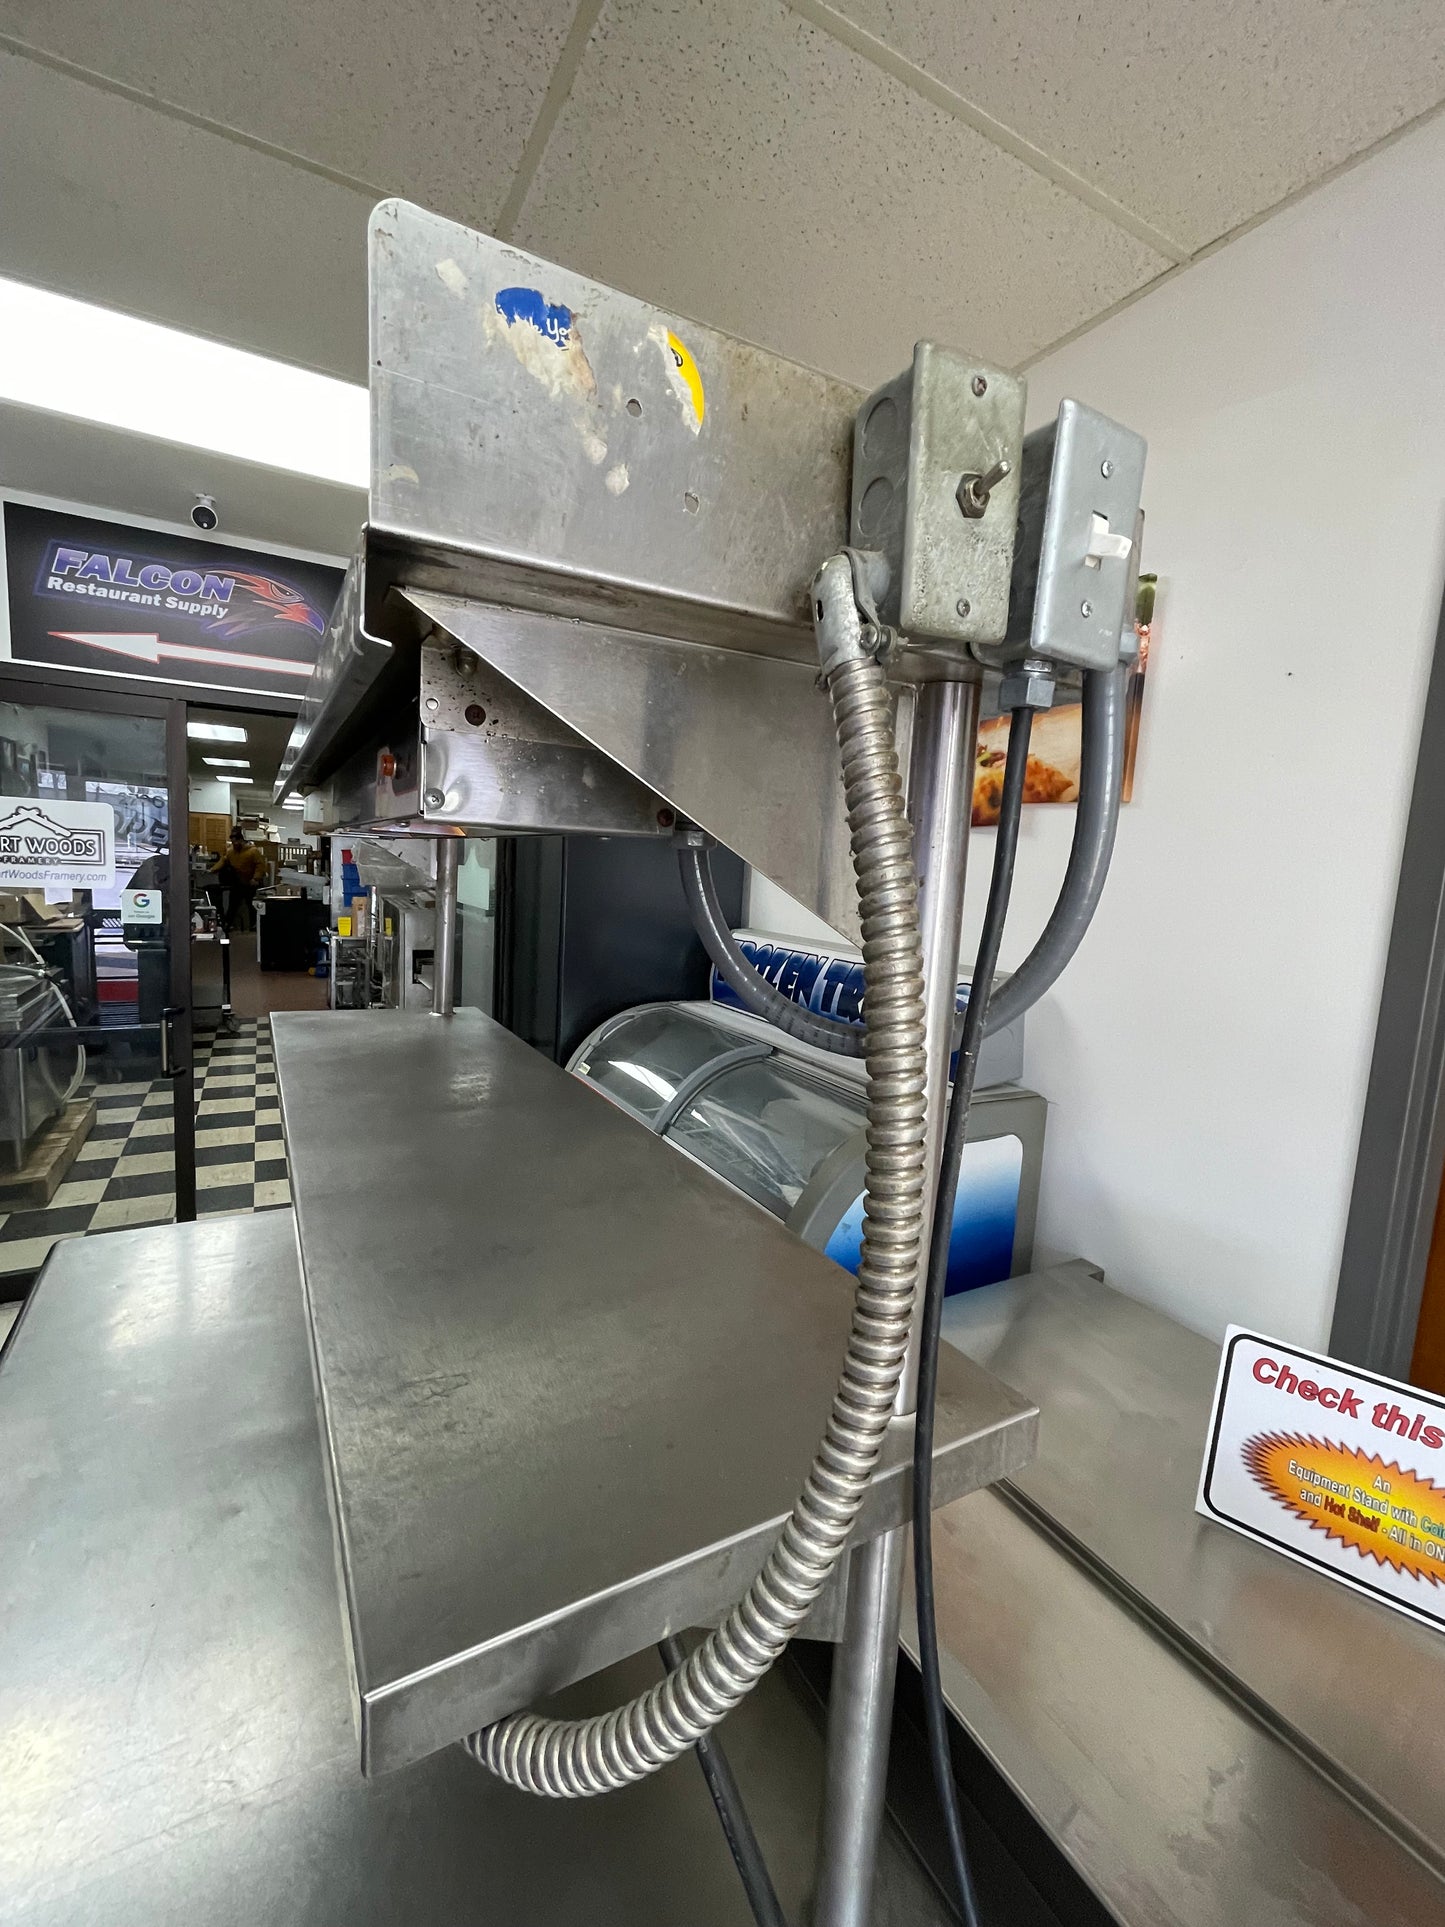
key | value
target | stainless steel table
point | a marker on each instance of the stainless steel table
(176, 1745)
(1213, 1735)
(571, 1383)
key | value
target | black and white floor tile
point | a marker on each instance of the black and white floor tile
(125, 1171)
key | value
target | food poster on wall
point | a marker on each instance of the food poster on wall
(1056, 740)
(106, 596)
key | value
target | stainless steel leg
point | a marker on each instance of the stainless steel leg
(860, 1708)
(444, 951)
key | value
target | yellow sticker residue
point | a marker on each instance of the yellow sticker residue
(1384, 1512)
(682, 375)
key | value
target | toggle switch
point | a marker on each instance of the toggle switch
(1105, 546)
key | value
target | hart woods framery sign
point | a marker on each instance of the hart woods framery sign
(55, 845)
(103, 596)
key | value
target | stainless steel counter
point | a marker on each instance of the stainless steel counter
(176, 1745)
(1214, 1735)
(570, 1382)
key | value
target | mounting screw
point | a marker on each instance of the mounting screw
(434, 799)
(1086, 608)
(474, 713)
(432, 704)
(1106, 469)
(964, 608)
(980, 385)
(666, 819)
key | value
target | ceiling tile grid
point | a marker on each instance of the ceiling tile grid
(1196, 114)
(830, 177)
(105, 200)
(728, 159)
(434, 102)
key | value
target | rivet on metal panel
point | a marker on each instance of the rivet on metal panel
(980, 385)
(434, 799)
(474, 713)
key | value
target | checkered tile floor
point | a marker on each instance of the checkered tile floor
(125, 1172)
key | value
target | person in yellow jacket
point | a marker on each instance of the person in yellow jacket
(239, 874)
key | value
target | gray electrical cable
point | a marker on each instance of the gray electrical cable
(827, 1033)
(568, 1758)
(1101, 776)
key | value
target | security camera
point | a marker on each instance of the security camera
(203, 514)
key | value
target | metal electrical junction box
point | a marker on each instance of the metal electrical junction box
(1074, 565)
(946, 417)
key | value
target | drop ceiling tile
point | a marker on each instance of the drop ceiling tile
(1195, 116)
(114, 203)
(726, 159)
(433, 101)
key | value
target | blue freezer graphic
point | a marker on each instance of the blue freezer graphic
(985, 1216)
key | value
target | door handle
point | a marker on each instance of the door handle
(169, 1066)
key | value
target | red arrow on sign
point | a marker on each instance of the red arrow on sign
(142, 648)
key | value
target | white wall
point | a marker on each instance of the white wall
(1206, 1054)
(208, 795)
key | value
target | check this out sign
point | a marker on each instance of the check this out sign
(1333, 1466)
(55, 845)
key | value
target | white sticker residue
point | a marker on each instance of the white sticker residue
(617, 479)
(451, 276)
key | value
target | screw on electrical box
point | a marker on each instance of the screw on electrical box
(666, 819)
(432, 703)
(980, 385)
(1086, 608)
(963, 607)
(474, 713)
(434, 799)
(1106, 469)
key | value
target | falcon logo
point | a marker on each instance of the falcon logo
(272, 601)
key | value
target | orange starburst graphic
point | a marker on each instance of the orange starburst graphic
(1383, 1511)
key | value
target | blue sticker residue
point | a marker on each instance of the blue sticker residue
(548, 318)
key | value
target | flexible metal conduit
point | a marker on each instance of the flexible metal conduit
(1101, 777)
(567, 1758)
(828, 1033)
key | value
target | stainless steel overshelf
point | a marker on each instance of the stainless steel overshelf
(570, 1382)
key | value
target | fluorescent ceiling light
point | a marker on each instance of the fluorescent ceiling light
(216, 732)
(102, 366)
(226, 762)
(293, 805)
(247, 781)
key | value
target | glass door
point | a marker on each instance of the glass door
(97, 1119)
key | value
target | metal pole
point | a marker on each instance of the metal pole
(860, 1702)
(444, 945)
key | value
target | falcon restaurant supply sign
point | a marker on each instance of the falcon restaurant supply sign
(1333, 1466)
(53, 845)
(105, 596)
